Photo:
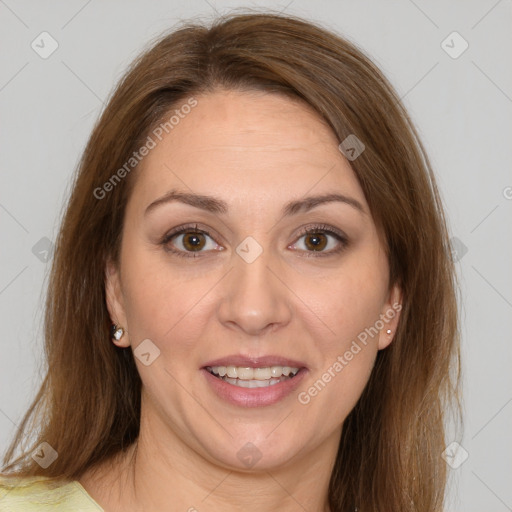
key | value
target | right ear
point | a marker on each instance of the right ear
(115, 301)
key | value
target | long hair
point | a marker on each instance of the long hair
(88, 406)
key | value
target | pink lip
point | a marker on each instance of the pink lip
(255, 362)
(253, 397)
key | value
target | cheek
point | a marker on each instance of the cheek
(345, 359)
(161, 304)
(350, 306)
(351, 301)
(333, 393)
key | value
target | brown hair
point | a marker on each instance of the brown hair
(88, 406)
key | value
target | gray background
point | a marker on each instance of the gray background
(462, 107)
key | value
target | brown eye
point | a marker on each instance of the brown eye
(189, 241)
(193, 241)
(316, 241)
(321, 240)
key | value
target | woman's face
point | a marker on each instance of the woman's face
(246, 291)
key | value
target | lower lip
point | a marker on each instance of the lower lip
(254, 397)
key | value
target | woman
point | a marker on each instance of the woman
(252, 299)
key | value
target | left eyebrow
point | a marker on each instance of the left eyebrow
(216, 205)
(308, 203)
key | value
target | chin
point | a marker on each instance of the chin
(258, 452)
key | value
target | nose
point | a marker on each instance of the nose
(254, 300)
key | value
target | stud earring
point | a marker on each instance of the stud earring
(116, 332)
(388, 331)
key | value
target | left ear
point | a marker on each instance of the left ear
(389, 316)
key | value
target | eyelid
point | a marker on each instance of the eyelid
(315, 228)
(179, 230)
(329, 230)
(325, 228)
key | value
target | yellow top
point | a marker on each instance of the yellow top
(41, 494)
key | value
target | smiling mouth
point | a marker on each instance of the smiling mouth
(247, 377)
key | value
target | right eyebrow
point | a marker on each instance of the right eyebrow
(208, 203)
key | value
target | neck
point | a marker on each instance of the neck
(159, 469)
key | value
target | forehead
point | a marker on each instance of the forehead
(247, 146)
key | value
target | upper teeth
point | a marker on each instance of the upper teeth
(247, 373)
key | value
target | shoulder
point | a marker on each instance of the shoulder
(40, 494)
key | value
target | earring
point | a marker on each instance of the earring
(116, 332)
(388, 331)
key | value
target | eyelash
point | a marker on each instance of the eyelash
(318, 228)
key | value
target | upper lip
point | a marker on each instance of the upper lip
(255, 362)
